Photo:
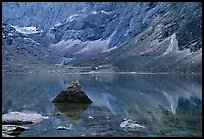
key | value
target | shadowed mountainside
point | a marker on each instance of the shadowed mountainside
(118, 36)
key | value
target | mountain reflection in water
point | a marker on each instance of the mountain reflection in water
(168, 105)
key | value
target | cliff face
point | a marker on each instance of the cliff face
(144, 36)
(20, 49)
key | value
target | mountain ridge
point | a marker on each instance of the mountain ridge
(134, 37)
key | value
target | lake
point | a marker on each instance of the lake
(167, 105)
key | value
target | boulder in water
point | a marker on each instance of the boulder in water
(130, 125)
(63, 128)
(21, 118)
(73, 94)
(12, 122)
(12, 130)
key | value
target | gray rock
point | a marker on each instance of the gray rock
(19, 118)
(62, 128)
(6, 135)
(108, 118)
(91, 118)
(12, 122)
(12, 130)
(130, 125)
(73, 94)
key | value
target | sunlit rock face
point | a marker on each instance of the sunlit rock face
(166, 34)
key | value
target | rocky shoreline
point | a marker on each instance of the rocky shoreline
(13, 123)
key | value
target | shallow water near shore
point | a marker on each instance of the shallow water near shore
(166, 105)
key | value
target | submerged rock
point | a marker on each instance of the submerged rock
(130, 125)
(73, 94)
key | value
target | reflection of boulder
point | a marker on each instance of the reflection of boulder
(72, 110)
(73, 94)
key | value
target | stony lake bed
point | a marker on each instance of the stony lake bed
(165, 105)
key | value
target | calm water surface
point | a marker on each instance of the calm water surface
(167, 105)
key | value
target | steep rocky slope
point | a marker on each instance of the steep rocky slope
(19, 49)
(124, 36)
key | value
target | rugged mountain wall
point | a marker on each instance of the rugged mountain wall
(19, 49)
(43, 15)
(141, 36)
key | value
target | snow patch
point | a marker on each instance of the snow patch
(27, 30)
(173, 44)
(94, 12)
(31, 40)
(127, 32)
(111, 37)
(102, 11)
(105, 12)
(10, 34)
(72, 17)
(110, 49)
(58, 24)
